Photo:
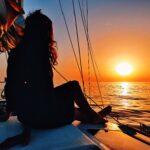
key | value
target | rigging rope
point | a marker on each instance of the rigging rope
(85, 11)
(63, 14)
(70, 39)
(114, 118)
(87, 37)
(90, 50)
(88, 97)
(95, 66)
(60, 74)
(86, 22)
(89, 73)
(78, 43)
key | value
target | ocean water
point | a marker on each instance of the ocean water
(130, 100)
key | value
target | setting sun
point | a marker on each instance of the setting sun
(124, 69)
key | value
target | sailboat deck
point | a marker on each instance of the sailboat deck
(64, 138)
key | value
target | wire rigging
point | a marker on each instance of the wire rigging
(90, 50)
(89, 97)
(91, 53)
(69, 35)
(87, 37)
(89, 71)
(85, 12)
(88, 42)
(70, 39)
(60, 74)
(85, 18)
(78, 43)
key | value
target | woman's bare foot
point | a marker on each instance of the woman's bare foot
(106, 111)
(89, 117)
(99, 117)
(95, 118)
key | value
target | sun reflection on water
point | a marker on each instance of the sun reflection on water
(124, 88)
(124, 94)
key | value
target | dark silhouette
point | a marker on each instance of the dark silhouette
(29, 89)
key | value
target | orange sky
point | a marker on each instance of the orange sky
(119, 32)
(128, 47)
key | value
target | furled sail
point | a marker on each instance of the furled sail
(11, 22)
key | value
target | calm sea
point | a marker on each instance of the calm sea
(130, 100)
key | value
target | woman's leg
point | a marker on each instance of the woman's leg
(81, 116)
(74, 91)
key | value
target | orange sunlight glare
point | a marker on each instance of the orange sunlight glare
(124, 69)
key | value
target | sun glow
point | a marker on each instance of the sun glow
(124, 69)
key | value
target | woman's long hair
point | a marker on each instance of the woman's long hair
(39, 32)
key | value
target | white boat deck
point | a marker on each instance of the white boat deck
(64, 138)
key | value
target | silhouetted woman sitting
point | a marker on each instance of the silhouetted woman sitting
(29, 90)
